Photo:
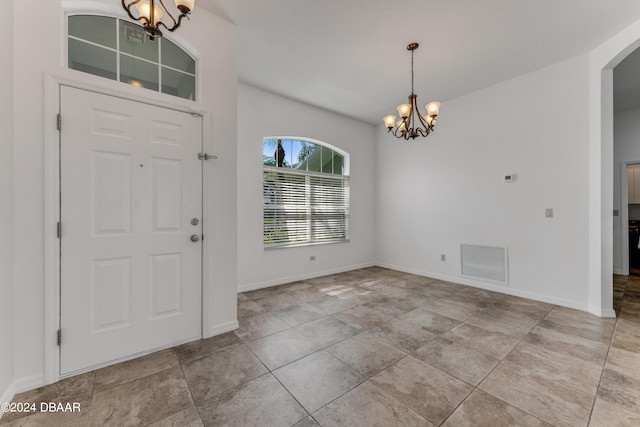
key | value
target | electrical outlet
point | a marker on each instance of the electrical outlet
(312, 258)
(443, 257)
(548, 213)
(509, 178)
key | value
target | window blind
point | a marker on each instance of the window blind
(304, 207)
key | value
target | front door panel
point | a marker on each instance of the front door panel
(131, 182)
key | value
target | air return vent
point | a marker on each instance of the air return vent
(485, 262)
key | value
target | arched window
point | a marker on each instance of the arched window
(305, 192)
(119, 50)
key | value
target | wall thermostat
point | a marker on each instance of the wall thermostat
(509, 177)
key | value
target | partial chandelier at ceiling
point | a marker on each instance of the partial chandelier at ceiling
(151, 12)
(407, 127)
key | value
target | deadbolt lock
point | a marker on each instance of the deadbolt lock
(195, 221)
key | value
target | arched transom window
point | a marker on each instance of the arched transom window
(119, 50)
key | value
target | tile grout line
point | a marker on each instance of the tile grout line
(193, 398)
(477, 387)
(369, 377)
(270, 372)
(607, 356)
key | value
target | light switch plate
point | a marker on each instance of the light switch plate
(548, 213)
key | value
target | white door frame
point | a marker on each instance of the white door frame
(51, 372)
(624, 213)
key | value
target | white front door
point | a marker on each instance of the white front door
(131, 201)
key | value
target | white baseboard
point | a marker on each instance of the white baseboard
(498, 288)
(28, 383)
(290, 279)
(600, 312)
(501, 288)
(222, 328)
(35, 381)
(7, 395)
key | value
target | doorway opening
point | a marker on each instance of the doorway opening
(626, 171)
(609, 228)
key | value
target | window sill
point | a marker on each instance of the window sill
(296, 245)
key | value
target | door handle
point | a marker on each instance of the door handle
(195, 238)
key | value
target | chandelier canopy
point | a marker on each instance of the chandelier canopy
(408, 126)
(151, 12)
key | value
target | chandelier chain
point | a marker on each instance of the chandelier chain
(412, 72)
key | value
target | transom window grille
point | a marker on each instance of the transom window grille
(305, 193)
(118, 50)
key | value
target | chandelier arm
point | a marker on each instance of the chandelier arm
(128, 7)
(411, 120)
(172, 29)
(426, 126)
(413, 99)
(394, 132)
(175, 27)
(404, 135)
(423, 132)
(176, 24)
(153, 28)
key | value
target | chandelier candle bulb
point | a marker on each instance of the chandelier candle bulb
(390, 121)
(404, 110)
(185, 6)
(145, 10)
(433, 109)
(151, 12)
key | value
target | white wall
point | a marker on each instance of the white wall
(444, 191)
(6, 205)
(626, 149)
(214, 42)
(262, 114)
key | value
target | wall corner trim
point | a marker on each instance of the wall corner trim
(602, 312)
(28, 383)
(221, 328)
(7, 396)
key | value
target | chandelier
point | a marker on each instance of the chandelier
(407, 126)
(151, 12)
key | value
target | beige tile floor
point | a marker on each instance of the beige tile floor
(376, 347)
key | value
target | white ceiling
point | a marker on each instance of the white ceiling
(349, 56)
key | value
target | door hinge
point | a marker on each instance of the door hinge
(206, 156)
(59, 230)
(59, 337)
(59, 121)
